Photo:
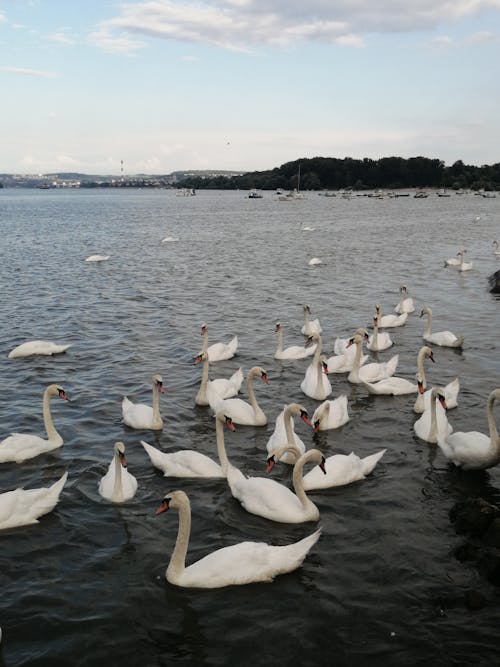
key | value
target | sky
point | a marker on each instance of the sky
(165, 85)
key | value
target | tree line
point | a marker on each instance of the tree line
(322, 173)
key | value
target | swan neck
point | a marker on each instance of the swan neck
(420, 366)
(117, 489)
(357, 361)
(156, 405)
(177, 563)
(221, 446)
(288, 427)
(52, 434)
(491, 420)
(298, 482)
(280, 340)
(251, 391)
(433, 431)
(429, 325)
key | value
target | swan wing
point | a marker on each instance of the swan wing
(185, 463)
(267, 498)
(33, 347)
(469, 450)
(137, 415)
(22, 507)
(20, 447)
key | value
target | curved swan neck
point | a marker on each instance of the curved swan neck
(427, 332)
(495, 395)
(356, 364)
(298, 472)
(420, 365)
(221, 445)
(287, 417)
(177, 563)
(250, 389)
(117, 489)
(52, 434)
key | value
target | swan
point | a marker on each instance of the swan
(292, 352)
(330, 414)
(97, 258)
(140, 416)
(241, 412)
(310, 326)
(37, 347)
(385, 321)
(341, 345)
(443, 338)
(242, 563)
(450, 391)
(496, 251)
(224, 387)
(118, 485)
(314, 261)
(473, 450)
(464, 266)
(373, 371)
(218, 351)
(378, 341)
(22, 507)
(316, 383)
(391, 386)
(342, 363)
(190, 463)
(404, 305)
(284, 430)
(433, 424)
(19, 447)
(454, 261)
(169, 239)
(271, 500)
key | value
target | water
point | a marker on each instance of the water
(86, 585)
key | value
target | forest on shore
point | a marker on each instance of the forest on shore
(320, 173)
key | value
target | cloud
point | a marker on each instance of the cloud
(30, 72)
(242, 24)
(442, 42)
(482, 37)
(62, 37)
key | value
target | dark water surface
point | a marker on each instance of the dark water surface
(86, 585)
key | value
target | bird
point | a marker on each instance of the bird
(118, 485)
(316, 383)
(405, 305)
(385, 321)
(238, 564)
(38, 347)
(373, 371)
(433, 424)
(379, 340)
(330, 414)
(464, 266)
(453, 261)
(169, 239)
(443, 338)
(226, 388)
(240, 411)
(284, 430)
(23, 507)
(293, 351)
(20, 447)
(97, 258)
(315, 261)
(472, 450)
(342, 345)
(189, 462)
(141, 416)
(496, 251)
(310, 326)
(218, 351)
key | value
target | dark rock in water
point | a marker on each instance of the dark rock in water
(473, 516)
(494, 282)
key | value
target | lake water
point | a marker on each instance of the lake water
(86, 586)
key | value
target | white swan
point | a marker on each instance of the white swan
(434, 424)
(97, 258)
(391, 386)
(141, 416)
(218, 351)
(293, 351)
(37, 347)
(496, 251)
(190, 463)
(118, 485)
(385, 321)
(342, 363)
(242, 563)
(22, 507)
(169, 239)
(224, 387)
(473, 450)
(19, 447)
(330, 414)
(310, 326)
(464, 266)
(315, 261)
(316, 383)
(271, 500)
(405, 305)
(342, 345)
(284, 431)
(450, 390)
(443, 338)
(379, 340)
(373, 371)
(241, 412)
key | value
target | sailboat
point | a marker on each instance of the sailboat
(295, 193)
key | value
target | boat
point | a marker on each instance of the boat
(295, 193)
(186, 192)
(420, 194)
(254, 194)
(443, 193)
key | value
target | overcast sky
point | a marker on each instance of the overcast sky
(245, 84)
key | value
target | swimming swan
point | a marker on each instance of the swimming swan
(242, 563)
(404, 305)
(385, 321)
(118, 485)
(464, 266)
(373, 371)
(292, 352)
(218, 351)
(433, 425)
(97, 258)
(19, 447)
(224, 387)
(496, 251)
(316, 383)
(37, 347)
(330, 414)
(443, 338)
(190, 463)
(473, 450)
(284, 431)
(22, 507)
(141, 416)
(450, 390)
(379, 340)
(310, 326)
(241, 412)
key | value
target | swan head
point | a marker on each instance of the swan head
(204, 329)
(363, 333)
(277, 453)
(357, 339)
(306, 309)
(257, 370)
(324, 364)
(57, 390)
(224, 419)
(203, 356)
(310, 340)
(120, 453)
(438, 392)
(403, 289)
(278, 326)
(172, 500)
(316, 456)
(425, 311)
(429, 353)
(420, 383)
(158, 383)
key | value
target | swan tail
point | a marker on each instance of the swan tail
(291, 556)
(44, 500)
(155, 455)
(237, 378)
(369, 462)
(459, 342)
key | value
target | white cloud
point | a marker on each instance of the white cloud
(107, 41)
(482, 37)
(442, 41)
(62, 37)
(25, 71)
